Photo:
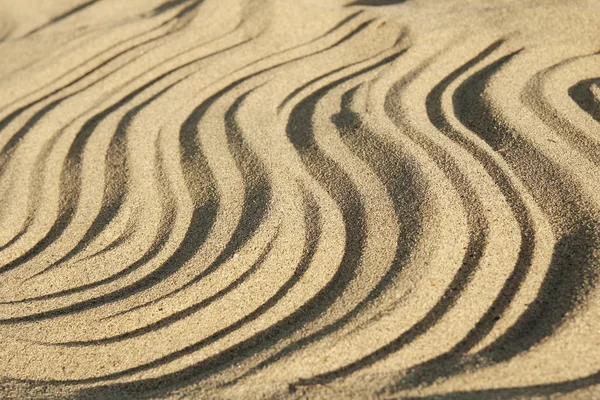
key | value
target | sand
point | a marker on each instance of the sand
(289, 199)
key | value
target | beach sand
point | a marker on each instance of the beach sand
(288, 199)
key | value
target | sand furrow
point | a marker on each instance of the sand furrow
(311, 199)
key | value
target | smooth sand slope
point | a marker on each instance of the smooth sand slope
(299, 199)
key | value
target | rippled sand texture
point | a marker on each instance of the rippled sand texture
(282, 198)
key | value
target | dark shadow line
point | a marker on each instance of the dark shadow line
(260, 340)
(116, 180)
(461, 279)
(375, 3)
(158, 244)
(549, 389)
(563, 287)
(16, 138)
(477, 241)
(294, 93)
(99, 66)
(118, 242)
(190, 156)
(399, 179)
(67, 14)
(299, 89)
(189, 132)
(169, 5)
(335, 28)
(252, 344)
(178, 316)
(257, 198)
(582, 95)
(314, 307)
(197, 231)
(341, 188)
(71, 197)
(202, 220)
(8, 119)
(466, 101)
(7, 148)
(533, 97)
(166, 226)
(352, 212)
(70, 176)
(18, 236)
(571, 277)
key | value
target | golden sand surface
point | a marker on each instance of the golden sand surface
(285, 199)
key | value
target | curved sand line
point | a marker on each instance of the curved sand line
(268, 199)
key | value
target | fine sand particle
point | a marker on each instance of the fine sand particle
(299, 199)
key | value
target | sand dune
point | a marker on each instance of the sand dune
(290, 199)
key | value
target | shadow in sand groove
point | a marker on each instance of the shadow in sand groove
(271, 199)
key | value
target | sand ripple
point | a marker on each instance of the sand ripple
(287, 199)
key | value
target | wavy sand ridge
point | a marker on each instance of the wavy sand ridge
(299, 198)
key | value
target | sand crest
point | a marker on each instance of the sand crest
(299, 199)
